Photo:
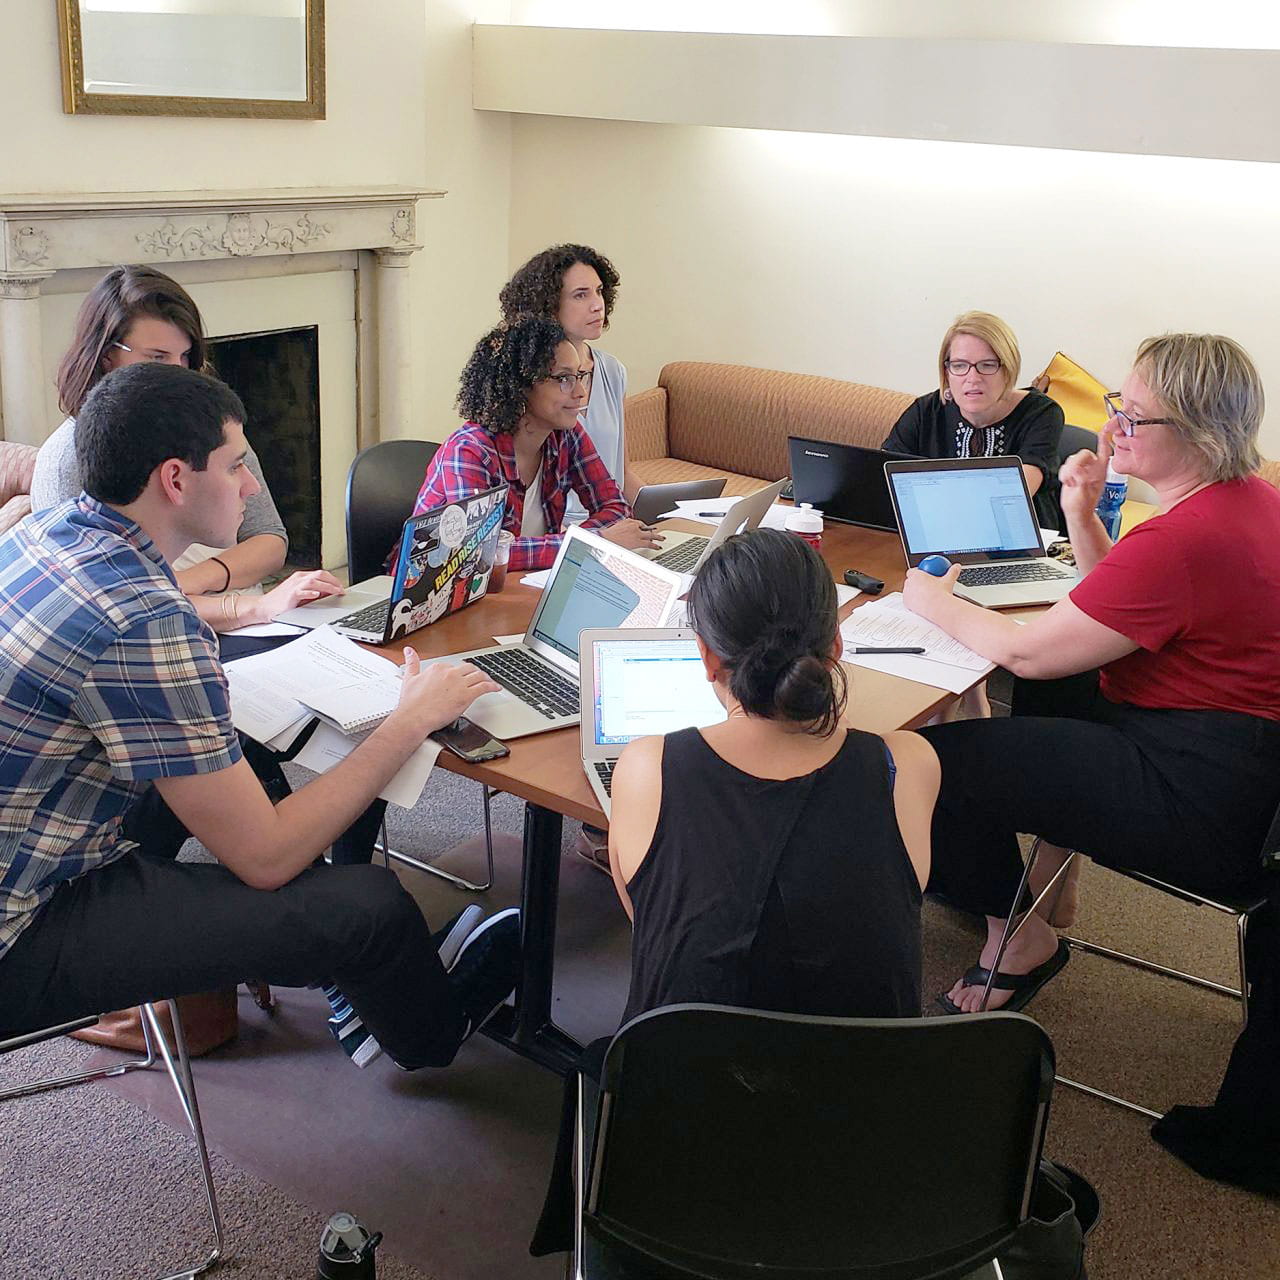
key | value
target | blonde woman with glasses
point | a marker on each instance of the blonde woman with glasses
(1146, 717)
(979, 411)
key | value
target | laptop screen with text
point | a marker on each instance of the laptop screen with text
(955, 511)
(647, 687)
(595, 588)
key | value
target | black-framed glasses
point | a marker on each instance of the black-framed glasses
(958, 368)
(566, 380)
(1114, 400)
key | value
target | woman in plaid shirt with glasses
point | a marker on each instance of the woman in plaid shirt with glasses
(521, 393)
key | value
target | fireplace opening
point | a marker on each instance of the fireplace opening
(277, 375)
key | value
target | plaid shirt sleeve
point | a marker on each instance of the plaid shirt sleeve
(460, 469)
(578, 467)
(157, 701)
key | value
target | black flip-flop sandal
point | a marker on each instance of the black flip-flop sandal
(1023, 985)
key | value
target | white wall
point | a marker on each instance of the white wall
(398, 80)
(849, 256)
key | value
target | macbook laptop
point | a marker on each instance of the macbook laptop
(637, 682)
(844, 481)
(686, 552)
(654, 500)
(445, 559)
(977, 512)
(592, 584)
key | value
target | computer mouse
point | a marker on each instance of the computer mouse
(936, 565)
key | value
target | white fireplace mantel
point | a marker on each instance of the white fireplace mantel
(43, 234)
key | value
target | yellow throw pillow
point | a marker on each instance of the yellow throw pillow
(1076, 390)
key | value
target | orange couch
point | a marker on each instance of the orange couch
(730, 420)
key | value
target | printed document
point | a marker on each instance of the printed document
(888, 623)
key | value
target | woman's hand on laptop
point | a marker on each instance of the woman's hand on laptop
(439, 692)
(633, 535)
(297, 588)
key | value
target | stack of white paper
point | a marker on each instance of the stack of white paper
(888, 623)
(275, 695)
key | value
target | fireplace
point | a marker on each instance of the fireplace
(332, 260)
(277, 376)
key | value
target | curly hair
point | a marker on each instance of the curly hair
(535, 288)
(505, 364)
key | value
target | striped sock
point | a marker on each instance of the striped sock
(348, 1030)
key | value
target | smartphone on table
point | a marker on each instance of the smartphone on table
(470, 742)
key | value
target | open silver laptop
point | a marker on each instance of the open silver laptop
(592, 584)
(654, 500)
(977, 512)
(637, 682)
(443, 564)
(686, 552)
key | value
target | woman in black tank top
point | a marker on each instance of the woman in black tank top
(774, 861)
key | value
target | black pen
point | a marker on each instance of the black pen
(873, 649)
(712, 515)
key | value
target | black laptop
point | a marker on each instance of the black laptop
(844, 481)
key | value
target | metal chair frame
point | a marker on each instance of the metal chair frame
(177, 1063)
(1241, 911)
(357, 569)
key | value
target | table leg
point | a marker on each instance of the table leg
(528, 1028)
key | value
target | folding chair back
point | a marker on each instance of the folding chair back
(734, 1143)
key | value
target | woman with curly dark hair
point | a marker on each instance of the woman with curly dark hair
(521, 393)
(577, 287)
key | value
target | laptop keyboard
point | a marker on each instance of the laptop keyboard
(519, 672)
(604, 771)
(990, 575)
(372, 618)
(683, 557)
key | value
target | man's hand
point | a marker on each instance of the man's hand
(1083, 476)
(296, 589)
(632, 534)
(922, 592)
(437, 694)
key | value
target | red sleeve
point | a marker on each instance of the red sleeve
(1142, 587)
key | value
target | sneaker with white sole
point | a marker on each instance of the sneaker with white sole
(485, 970)
(353, 1036)
(449, 940)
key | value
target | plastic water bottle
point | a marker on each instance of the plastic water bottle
(806, 522)
(1113, 496)
(346, 1249)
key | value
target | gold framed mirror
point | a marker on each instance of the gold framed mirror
(261, 59)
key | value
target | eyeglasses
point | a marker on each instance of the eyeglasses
(1113, 400)
(160, 358)
(959, 368)
(566, 380)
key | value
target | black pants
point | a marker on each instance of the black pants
(1186, 796)
(145, 927)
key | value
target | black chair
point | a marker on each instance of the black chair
(1076, 438)
(1242, 908)
(178, 1065)
(382, 484)
(732, 1143)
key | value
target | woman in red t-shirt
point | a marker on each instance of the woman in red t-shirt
(1162, 753)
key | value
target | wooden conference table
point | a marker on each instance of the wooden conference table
(545, 770)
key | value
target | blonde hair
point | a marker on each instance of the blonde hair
(995, 333)
(1211, 393)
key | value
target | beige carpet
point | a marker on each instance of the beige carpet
(95, 1184)
(1156, 1042)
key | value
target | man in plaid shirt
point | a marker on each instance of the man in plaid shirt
(110, 684)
